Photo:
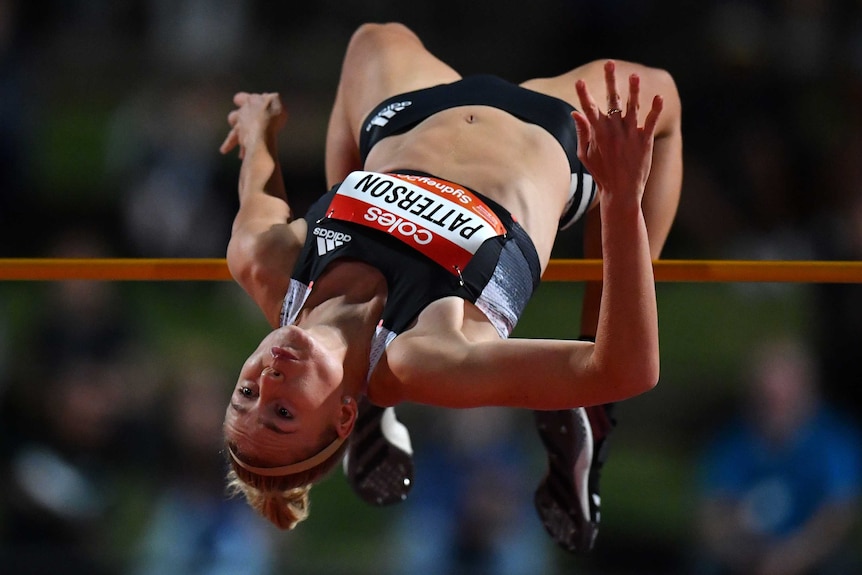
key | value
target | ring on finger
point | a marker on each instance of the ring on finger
(613, 111)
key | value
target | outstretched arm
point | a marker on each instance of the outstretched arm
(264, 240)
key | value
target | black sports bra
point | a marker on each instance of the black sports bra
(402, 112)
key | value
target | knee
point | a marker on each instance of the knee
(653, 81)
(664, 82)
(659, 80)
(376, 36)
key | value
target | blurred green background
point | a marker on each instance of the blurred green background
(649, 484)
(110, 118)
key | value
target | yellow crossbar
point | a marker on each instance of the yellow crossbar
(567, 270)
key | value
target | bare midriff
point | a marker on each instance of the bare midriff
(517, 164)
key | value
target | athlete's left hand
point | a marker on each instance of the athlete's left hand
(616, 151)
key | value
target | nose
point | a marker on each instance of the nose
(270, 372)
(268, 381)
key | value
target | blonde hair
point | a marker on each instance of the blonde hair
(282, 499)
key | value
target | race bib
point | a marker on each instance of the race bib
(441, 219)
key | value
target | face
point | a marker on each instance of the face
(783, 391)
(287, 399)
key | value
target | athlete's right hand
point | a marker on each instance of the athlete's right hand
(257, 119)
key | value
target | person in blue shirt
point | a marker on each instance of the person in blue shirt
(780, 484)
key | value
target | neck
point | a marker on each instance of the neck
(343, 310)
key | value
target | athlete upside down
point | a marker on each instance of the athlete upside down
(366, 317)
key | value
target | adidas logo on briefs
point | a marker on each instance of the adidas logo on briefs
(328, 240)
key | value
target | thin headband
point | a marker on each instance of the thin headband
(297, 467)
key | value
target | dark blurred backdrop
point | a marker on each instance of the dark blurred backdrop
(111, 114)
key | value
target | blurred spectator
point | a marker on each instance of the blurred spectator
(471, 511)
(161, 146)
(196, 34)
(781, 484)
(60, 491)
(837, 317)
(4, 350)
(73, 391)
(162, 139)
(193, 528)
(82, 320)
(12, 195)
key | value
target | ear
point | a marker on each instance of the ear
(347, 420)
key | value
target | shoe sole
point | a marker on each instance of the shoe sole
(562, 498)
(379, 462)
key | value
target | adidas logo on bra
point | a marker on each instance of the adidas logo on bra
(329, 240)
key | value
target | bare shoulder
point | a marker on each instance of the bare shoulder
(262, 263)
